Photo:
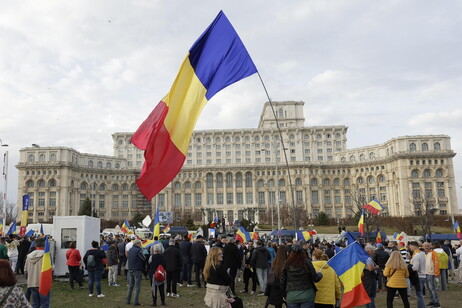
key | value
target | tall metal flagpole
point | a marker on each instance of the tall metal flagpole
(283, 149)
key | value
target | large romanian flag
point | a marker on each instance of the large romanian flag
(243, 235)
(46, 277)
(125, 226)
(349, 264)
(305, 235)
(374, 207)
(216, 60)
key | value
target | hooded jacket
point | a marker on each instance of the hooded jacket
(329, 286)
(112, 255)
(260, 257)
(33, 268)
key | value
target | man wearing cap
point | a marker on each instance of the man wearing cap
(135, 261)
(198, 256)
(172, 258)
(259, 261)
(418, 265)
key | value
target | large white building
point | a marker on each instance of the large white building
(234, 173)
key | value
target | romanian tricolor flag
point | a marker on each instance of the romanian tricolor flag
(166, 229)
(156, 227)
(147, 243)
(242, 235)
(374, 207)
(305, 235)
(125, 226)
(361, 224)
(12, 229)
(456, 227)
(400, 236)
(1, 226)
(214, 222)
(216, 60)
(378, 239)
(254, 235)
(46, 277)
(349, 264)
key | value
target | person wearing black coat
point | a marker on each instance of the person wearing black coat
(198, 256)
(231, 261)
(173, 265)
(186, 269)
(156, 259)
(380, 258)
(23, 248)
(95, 272)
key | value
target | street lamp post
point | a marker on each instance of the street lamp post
(5, 177)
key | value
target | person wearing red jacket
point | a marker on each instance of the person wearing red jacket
(73, 263)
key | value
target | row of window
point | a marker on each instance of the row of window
(424, 147)
(427, 173)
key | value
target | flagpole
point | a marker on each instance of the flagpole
(285, 154)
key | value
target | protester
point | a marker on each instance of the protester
(432, 270)
(249, 271)
(259, 261)
(231, 261)
(157, 259)
(93, 261)
(13, 253)
(443, 260)
(112, 256)
(73, 264)
(380, 258)
(173, 265)
(370, 276)
(122, 258)
(186, 267)
(298, 278)
(217, 279)
(33, 270)
(135, 262)
(24, 245)
(396, 271)
(459, 257)
(328, 289)
(418, 265)
(273, 287)
(3, 249)
(10, 295)
(198, 256)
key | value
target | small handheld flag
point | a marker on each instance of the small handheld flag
(12, 229)
(456, 227)
(378, 239)
(125, 226)
(361, 224)
(156, 231)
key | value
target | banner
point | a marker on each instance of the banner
(24, 214)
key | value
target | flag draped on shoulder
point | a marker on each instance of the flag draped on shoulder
(46, 276)
(361, 224)
(243, 235)
(156, 228)
(216, 60)
(374, 207)
(349, 264)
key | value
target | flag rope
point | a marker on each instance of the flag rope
(283, 150)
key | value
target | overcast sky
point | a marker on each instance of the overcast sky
(73, 73)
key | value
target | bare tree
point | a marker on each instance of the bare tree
(424, 209)
(11, 210)
(358, 199)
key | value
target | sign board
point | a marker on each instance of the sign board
(166, 217)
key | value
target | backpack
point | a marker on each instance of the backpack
(160, 274)
(91, 262)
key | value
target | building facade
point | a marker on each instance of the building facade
(242, 173)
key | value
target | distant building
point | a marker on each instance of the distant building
(232, 173)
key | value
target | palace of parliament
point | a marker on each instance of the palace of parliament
(239, 173)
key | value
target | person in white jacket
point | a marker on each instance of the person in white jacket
(418, 265)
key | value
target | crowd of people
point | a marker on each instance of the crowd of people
(295, 274)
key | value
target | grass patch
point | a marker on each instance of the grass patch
(63, 296)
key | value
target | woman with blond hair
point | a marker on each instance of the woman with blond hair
(217, 279)
(396, 271)
(329, 291)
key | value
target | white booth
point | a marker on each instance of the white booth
(66, 229)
